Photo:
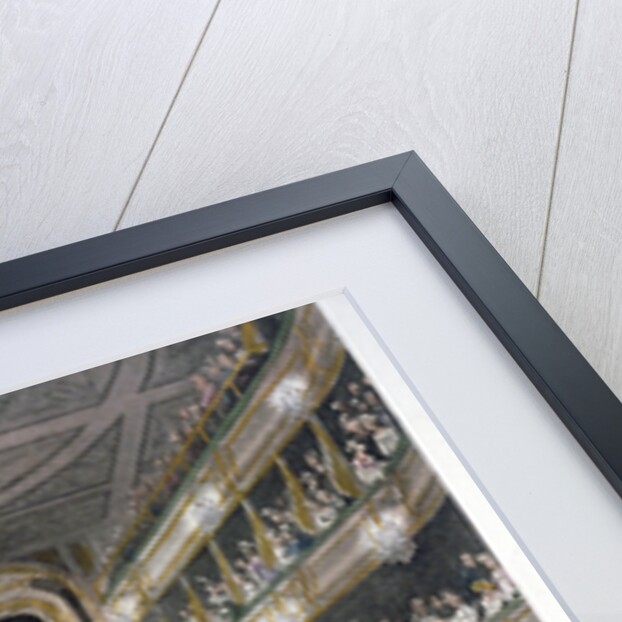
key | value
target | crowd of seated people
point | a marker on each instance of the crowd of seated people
(368, 439)
(250, 575)
(286, 537)
(288, 540)
(486, 590)
(369, 435)
(366, 436)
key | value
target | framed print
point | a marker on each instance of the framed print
(288, 407)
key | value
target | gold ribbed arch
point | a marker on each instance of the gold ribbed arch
(47, 605)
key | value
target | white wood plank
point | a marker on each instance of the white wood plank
(582, 275)
(282, 91)
(84, 87)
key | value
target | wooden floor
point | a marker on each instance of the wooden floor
(116, 113)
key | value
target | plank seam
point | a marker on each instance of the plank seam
(547, 217)
(167, 114)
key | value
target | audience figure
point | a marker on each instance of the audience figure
(367, 468)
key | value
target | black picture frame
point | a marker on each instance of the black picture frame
(572, 388)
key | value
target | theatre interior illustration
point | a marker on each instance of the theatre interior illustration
(253, 474)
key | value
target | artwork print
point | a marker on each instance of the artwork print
(252, 474)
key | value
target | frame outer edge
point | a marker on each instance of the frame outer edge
(113, 255)
(573, 389)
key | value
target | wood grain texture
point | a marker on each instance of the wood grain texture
(282, 91)
(84, 87)
(582, 275)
